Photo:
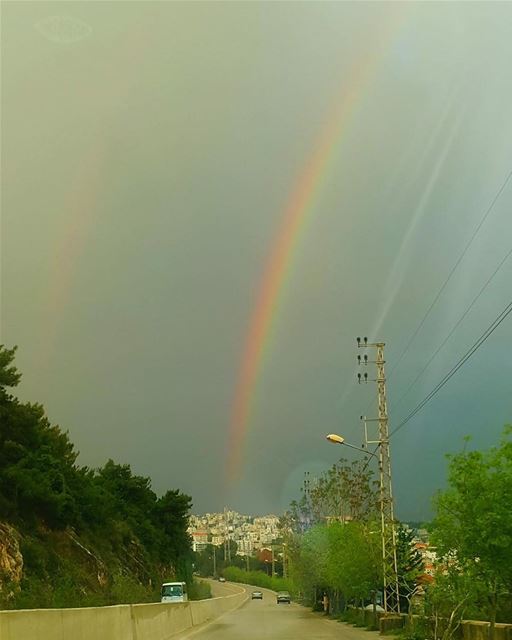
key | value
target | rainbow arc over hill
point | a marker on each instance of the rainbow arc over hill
(298, 211)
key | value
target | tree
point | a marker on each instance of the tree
(330, 534)
(473, 523)
(354, 566)
(409, 563)
(171, 515)
(450, 597)
(309, 562)
(110, 516)
(345, 492)
(37, 459)
(9, 375)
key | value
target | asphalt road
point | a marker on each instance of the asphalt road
(266, 620)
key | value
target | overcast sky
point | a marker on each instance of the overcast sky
(149, 152)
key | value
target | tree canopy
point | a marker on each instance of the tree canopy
(44, 489)
(473, 525)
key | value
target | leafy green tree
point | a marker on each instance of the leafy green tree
(473, 523)
(330, 534)
(309, 562)
(353, 562)
(452, 595)
(117, 530)
(204, 562)
(409, 563)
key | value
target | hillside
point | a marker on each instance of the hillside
(75, 536)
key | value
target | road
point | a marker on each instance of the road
(266, 620)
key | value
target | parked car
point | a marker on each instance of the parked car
(256, 595)
(221, 579)
(283, 596)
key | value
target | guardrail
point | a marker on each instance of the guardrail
(120, 622)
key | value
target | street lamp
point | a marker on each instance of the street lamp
(336, 439)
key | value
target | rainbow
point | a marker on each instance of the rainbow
(297, 213)
(81, 207)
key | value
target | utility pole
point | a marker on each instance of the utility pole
(273, 561)
(227, 547)
(225, 535)
(306, 490)
(214, 561)
(388, 531)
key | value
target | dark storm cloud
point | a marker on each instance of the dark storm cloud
(148, 151)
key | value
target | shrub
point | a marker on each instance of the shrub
(199, 590)
(258, 579)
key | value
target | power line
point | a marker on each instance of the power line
(492, 327)
(443, 287)
(438, 295)
(453, 329)
(459, 260)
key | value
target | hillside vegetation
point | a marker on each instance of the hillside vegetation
(75, 536)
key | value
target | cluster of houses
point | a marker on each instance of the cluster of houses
(250, 533)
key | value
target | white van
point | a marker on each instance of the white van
(174, 592)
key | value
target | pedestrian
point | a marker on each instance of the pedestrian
(325, 602)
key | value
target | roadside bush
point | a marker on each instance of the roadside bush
(258, 579)
(199, 590)
(127, 590)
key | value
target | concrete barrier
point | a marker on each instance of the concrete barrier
(390, 622)
(206, 610)
(477, 630)
(122, 622)
(62, 624)
(159, 621)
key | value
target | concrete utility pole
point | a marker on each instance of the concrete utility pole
(388, 531)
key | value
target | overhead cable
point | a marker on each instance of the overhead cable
(452, 330)
(458, 261)
(492, 327)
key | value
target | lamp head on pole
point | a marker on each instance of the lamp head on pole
(335, 438)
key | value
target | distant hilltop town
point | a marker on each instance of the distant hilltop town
(255, 534)
(251, 533)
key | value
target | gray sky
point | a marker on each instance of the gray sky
(149, 151)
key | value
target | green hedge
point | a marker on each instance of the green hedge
(258, 579)
(199, 590)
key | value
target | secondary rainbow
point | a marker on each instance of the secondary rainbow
(81, 206)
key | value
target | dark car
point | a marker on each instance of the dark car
(256, 595)
(283, 596)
